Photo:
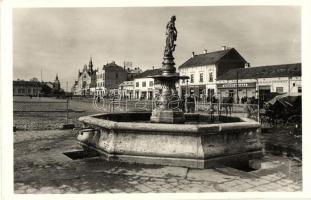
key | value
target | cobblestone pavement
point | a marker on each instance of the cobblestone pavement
(41, 167)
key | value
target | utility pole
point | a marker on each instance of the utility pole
(237, 86)
(41, 74)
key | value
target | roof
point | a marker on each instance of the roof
(207, 58)
(149, 72)
(268, 71)
(26, 83)
(112, 66)
(127, 83)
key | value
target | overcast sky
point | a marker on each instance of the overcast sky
(61, 40)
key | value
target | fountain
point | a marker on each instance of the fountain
(167, 136)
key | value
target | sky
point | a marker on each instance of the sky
(61, 40)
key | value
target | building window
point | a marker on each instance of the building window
(201, 77)
(191, 78)
(210, 77)
(299, 89)
(144, 84)
(150, 83)
(231, 93)
(117, 75)
(183, 81)
(29, 90)
(137, 84)
(279, 89)
(294, 84)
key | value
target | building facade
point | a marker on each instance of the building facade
(260, 81)
(146, 87)
(204, 69)
(126, 89)
(36, 88)
(26, 88)
(109, 77)
(86, 81)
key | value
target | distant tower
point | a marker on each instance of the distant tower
(91, 64)
(56, 84)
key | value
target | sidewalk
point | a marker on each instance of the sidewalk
(41, 167)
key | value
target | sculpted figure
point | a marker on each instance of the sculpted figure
(171, 37)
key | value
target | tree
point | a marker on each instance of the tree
(34, 79)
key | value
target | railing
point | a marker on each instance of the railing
(135, 105)
(229, 109)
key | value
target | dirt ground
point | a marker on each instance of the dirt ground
(41, 167)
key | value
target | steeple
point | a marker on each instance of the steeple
(56, 78)
(91, 64)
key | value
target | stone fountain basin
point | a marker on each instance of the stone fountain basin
(130, 137)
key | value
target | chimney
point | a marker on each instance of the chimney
(193, 54)
(247, 65)
(224, 47)
(152, 67)
(205, 51)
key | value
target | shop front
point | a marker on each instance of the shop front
(237, 91)
(197, 90)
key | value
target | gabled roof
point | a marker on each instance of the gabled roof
(207, 58)
(269, 71)
(112, 66)
(149, 72)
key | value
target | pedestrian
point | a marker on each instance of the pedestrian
(190, 103)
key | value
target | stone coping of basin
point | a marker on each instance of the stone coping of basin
(171, 128)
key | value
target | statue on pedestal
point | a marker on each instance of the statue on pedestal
(171, 37)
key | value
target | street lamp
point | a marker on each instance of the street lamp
(187, 80)
(121, 91)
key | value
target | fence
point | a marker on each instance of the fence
(229, 109)
(49, 113)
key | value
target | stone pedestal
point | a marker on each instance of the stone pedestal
(167, 116)
(167, 112)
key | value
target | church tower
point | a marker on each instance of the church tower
(56, 84)
(91, 64)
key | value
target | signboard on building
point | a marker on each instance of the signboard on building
(234, 85)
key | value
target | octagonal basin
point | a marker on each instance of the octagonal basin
(202, 142)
